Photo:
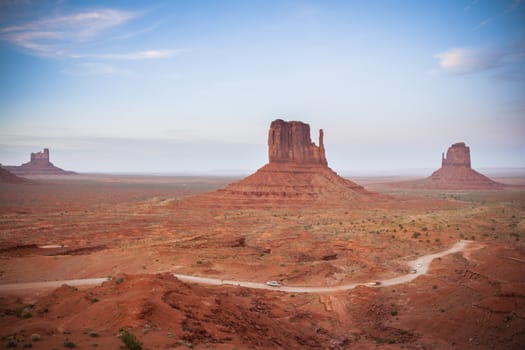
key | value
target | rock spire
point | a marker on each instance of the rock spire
(289, 142)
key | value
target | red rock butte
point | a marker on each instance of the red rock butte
(289, 142)
(39, 164)
(456, 172)
(297, 174)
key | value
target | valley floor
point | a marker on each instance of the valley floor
(135, 229)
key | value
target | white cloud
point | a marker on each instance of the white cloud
(468, 60)
(464, 60)
(140, 55)
(65, 36)
(97, 68)
(484, 22)
(51, 36)
(513, 6)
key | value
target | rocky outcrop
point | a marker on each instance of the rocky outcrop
(297, 174)
(455, 173)
(289, 142)
(458, 155)
(38, 164)
(10, 178)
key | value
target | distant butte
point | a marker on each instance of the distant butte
(39, 164)
(297, 173)
(455, 173)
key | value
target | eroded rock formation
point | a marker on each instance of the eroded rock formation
(38, 164)
(297, 173)
(289, 142)
(456, 172)
(458, 155)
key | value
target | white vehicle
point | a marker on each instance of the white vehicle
(413, 271)
(273, 284)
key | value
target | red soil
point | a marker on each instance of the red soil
(116, 227)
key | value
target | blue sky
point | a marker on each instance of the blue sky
(192, 86)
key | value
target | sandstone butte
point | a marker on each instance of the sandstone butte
(456, 172)
(297, 173)
(39, 164)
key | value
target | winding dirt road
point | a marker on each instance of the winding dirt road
(420, 266)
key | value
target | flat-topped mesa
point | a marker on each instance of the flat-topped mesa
(38, 164)
(458, 155)
(289, 142)
(40, 158)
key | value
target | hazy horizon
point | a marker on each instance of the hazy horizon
(191, 87)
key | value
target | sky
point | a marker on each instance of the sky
(192, 86)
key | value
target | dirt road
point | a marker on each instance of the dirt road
(420, 265)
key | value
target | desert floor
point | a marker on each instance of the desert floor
(138, 230)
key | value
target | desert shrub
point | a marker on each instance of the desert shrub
(35, 337)
(416, 234)
(69, 344)
(23, 312)
(393, 312)
(129, 339)
(93, 334)
(119, 280)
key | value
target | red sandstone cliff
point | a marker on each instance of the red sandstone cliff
(289, 142)
(38, 164)
(297, 173)
(456, 172)
(458, 155)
